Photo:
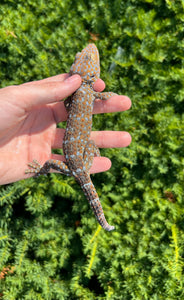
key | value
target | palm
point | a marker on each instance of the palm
(28, 136)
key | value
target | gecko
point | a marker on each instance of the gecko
(79, 150)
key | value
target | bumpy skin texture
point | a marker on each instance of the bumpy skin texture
(78, 149)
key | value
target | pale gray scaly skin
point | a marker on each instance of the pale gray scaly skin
(78, 149)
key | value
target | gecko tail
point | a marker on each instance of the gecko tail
(98, 211)
(93, 199)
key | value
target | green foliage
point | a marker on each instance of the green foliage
(50, 244)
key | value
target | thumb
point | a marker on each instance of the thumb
(48, 92)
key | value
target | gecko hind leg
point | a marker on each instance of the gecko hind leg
(38, 169)
(90, 150)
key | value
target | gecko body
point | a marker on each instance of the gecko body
(78, 149)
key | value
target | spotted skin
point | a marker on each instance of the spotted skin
(78, 149)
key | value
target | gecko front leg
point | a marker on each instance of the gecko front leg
(104, 96)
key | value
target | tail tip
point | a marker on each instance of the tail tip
(109, 228)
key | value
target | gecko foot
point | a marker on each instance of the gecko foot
(35, 167)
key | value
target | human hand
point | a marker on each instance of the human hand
(29, 115)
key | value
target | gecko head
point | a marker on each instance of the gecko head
(87, 64)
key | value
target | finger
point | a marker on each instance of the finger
(111, 139)
(103, 139)
(48, 92)
(100, 164)
(113, 104)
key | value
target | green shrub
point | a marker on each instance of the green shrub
(50, 244)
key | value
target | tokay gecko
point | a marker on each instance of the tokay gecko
(78, 149)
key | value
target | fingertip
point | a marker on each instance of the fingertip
(99, 85)
(127, 139)
(124, 102)
(100, 164)
(127, 101)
